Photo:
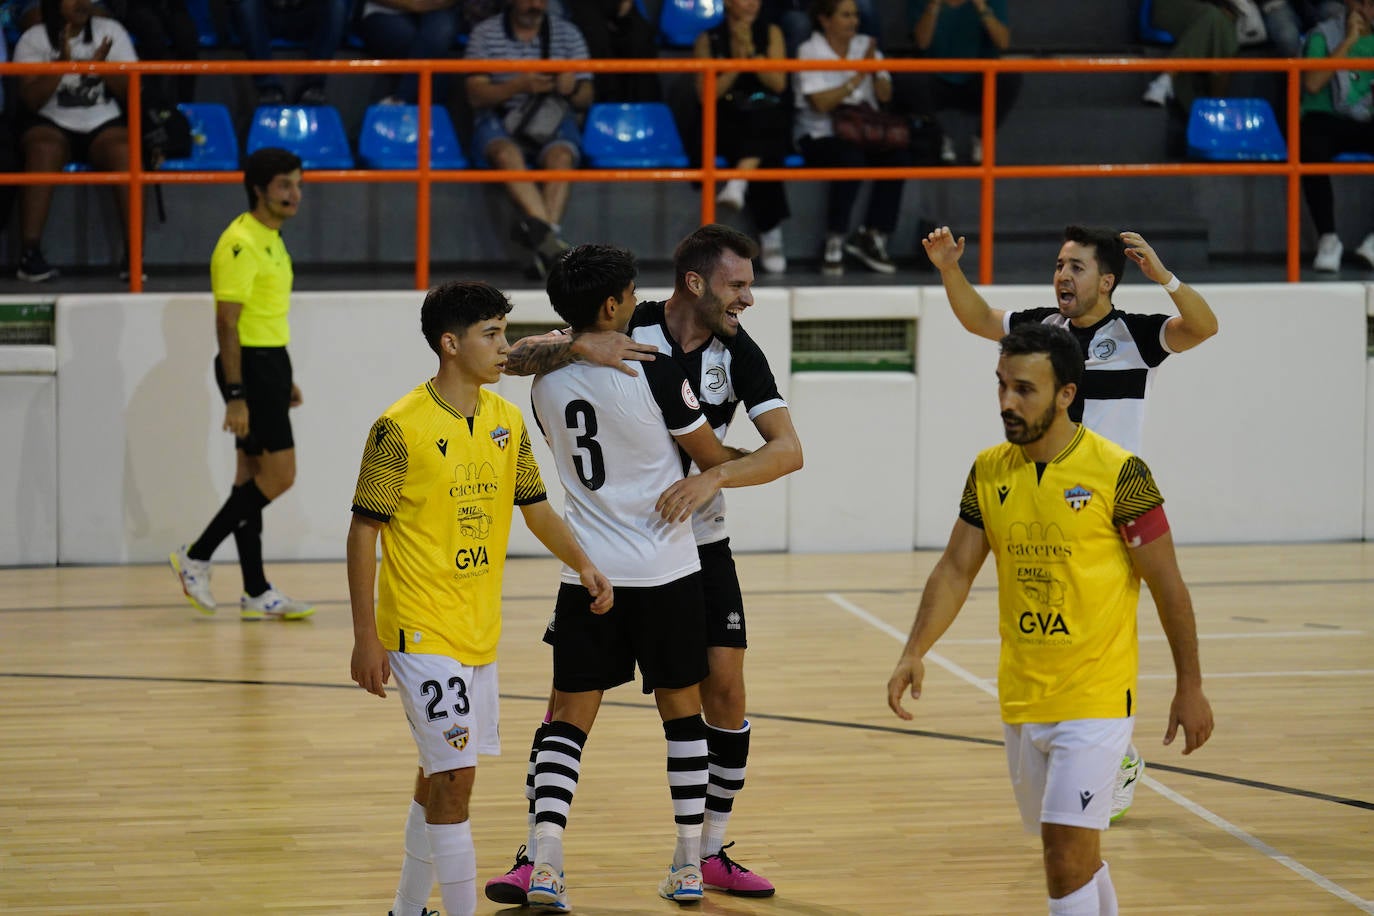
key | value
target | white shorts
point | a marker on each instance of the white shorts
(1064, 772)
(453, 709)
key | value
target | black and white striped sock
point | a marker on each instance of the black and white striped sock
(687, 778)
(556, 770)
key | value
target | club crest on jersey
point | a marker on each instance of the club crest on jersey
(689, 397)
(500, 435)
(457, 736)
(1104, 348)
(715, 378)
(1078, 497)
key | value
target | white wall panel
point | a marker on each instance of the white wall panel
(28, 467)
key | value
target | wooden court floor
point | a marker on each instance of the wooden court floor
(153, 761)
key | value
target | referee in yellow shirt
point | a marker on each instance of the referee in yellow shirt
(251, 276)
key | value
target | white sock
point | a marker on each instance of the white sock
(1106, 893)
(417, 869)
(1082, 902)
(549, 842)
(455, 866)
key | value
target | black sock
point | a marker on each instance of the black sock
(243, 501)
(248, 538)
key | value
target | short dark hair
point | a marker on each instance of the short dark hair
(265, 164)
(1066, 357)
(700, 252)
(54, 23)
(583, 278)
(818, 8)
(1111, 251)
(455, 306)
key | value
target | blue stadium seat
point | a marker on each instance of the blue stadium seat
(390, 138)
(205, 23)
(214, 146)
(680, 21)
(1148, 32)
(790, 161)
(632, 136)
(1235, 130)
(1354, 157)
(313, 132)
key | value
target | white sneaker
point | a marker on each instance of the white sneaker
(771, 257)
(1160, 91)
(947, 154)
(832, 263)
(1329, 251)
(1366, 249)
(682, 885)
(273, 603)
(1127, 777)
(547, 890)
(731, 197)
(195, 579)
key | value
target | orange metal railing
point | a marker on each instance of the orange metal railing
(423, 177)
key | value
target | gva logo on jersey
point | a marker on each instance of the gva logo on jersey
(1034, 539)
(473, 480)
(1050, 623)
(470, 557)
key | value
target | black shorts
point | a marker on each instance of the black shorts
(267, 381)
(725, 623)
(78, 143)
(724, 603)
(663, 628)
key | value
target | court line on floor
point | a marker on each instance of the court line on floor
(1192, 807)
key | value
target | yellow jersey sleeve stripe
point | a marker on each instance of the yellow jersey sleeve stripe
(1136, 492)
(529, 484)
(969, 510)
(383, 471)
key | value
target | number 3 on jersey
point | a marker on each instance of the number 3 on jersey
(591, 464)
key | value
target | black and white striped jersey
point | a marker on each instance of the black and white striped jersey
(611, 436)
(1121, 353)
(723, 373)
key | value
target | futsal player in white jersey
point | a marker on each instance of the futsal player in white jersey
(1122, 350)
(615, 441)
(699, 328)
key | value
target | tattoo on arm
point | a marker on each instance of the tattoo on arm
(537, 355)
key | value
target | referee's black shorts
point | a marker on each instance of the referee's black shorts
(267, 382)
(663, 628)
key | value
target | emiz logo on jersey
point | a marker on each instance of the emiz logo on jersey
(1078, 497)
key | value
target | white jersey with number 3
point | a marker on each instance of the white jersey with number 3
(612, 441)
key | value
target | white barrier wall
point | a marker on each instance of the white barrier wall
(1262, 434)
(28, 456)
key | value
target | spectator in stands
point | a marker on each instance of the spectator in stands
(74, 117)
(9, 161)
(958, 29)
(161, 30)
(818, 94)
(615, 29)
(319, 24)
(529, 119)
(753, 121)
(409, 30)
(794, 18)
(1337, 117)
(1201, 28)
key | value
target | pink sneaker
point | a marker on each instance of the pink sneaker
(721, 873)
(513, 885)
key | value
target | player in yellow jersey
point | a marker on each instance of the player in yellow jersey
(442, 471)
(251, 277)
(1074, 522)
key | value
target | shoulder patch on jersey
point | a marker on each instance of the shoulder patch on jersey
(689, 397)
(501, 436)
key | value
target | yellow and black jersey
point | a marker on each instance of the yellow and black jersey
(445, 485)
(1067, 589)
(251, 266)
